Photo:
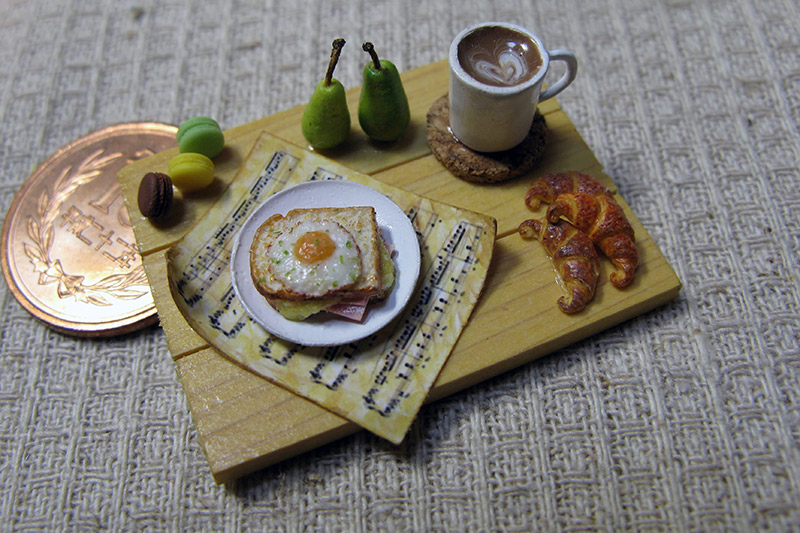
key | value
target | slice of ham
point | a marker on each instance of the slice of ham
(352, 309)
(356, 308)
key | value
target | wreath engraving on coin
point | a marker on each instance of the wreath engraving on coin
(69, 252)
(41, 230)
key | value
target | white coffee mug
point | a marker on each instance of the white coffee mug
(493, 98)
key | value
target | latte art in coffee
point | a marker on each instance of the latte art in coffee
(499, 56)
(504, 68)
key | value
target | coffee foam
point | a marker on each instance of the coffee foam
(499, 56)
(505, 68)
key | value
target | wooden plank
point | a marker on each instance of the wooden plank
(181, 338)
(244, 422)
(504, 201)
(423, 86)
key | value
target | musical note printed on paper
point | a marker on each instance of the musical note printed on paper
(379, 382)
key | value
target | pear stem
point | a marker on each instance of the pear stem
(338, 44)
(370, 49)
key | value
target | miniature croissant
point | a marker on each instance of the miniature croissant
(573, 255)
(604, 221)
(547, 188)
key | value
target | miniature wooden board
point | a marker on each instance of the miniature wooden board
(380, 380)
(245, 423)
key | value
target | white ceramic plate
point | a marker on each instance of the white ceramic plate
(325, 329)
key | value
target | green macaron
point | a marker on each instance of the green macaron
(200, 135)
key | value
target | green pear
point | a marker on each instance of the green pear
(383, 107)
(326, 119)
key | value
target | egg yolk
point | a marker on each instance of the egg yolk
(313, 247)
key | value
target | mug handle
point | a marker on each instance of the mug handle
(572, 69)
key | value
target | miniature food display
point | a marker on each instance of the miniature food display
(155, 194)
(383, 111)
(191, 171)
(602, 218)
(326, 118)
(546, 188)
(574, 257)
(200, 135)
(582, 215)
(331, 259)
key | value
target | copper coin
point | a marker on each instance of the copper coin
(68, 250)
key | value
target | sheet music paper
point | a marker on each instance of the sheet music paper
(379, 382)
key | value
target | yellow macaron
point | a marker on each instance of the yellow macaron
(190, 171)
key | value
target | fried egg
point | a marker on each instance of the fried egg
(315, 258)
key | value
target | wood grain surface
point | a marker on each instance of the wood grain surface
(245, 423)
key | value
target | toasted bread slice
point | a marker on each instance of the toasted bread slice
(360, 222)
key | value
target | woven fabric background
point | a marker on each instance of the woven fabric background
(685, 418)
